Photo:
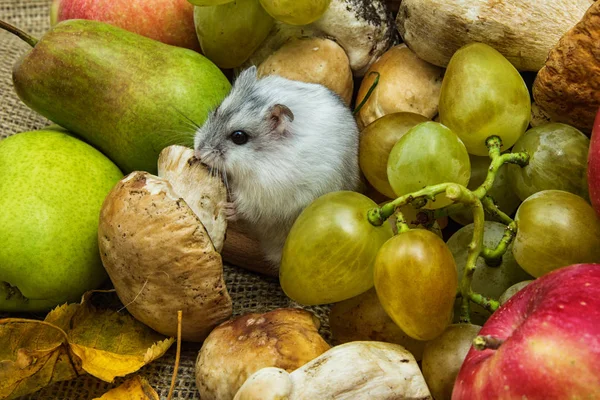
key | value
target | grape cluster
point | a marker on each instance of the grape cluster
(524, 206)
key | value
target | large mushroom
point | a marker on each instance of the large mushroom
(158, 246)
(524, 31)
(355, 370)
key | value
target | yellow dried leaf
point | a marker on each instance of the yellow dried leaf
(73, 339)
(33, 355)
(108, 343)
(136, 388)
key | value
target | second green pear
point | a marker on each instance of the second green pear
(125, 94)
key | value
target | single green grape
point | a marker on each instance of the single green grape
(555, 229)
(376, 143)
(557, 160)
(330, 251)
(296, 12)
(229, 33)
(501, 191)
(443, 357)
(415, 280)
(426, 155)
(483, 95)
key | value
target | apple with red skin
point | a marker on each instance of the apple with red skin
(593, 172)
(548, 342)
(168, 21)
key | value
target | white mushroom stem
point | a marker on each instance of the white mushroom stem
(266, 384)
(355, 370)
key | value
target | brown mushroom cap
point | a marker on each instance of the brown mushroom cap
(283, 338)
(566, 88)
(313, 60)
(161, 259)
(406, 83)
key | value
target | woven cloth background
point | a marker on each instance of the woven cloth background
(249, 292)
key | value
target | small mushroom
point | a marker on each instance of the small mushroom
(313, 60)
(283, 338)
(363, 28)
(524, 31)
(406, 84)
(355, 370)
(566, 89)
(158, 253)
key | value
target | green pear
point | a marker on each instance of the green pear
(52, 186)
(127, 95)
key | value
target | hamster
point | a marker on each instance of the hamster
(279, 144)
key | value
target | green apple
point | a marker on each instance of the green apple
(52, 186)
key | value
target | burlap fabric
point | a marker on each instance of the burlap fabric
(249, 292)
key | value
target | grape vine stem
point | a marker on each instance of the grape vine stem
(477, 200)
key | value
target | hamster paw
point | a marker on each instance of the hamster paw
(230, 211)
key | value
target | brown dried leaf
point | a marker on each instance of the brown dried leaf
(136, 388)
(73, 339)
(33, 355)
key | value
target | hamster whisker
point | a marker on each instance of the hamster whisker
(187, 119)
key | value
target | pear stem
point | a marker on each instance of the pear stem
(26, 37)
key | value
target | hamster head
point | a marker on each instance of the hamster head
(242, 127)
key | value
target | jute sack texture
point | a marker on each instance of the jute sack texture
(250, 292)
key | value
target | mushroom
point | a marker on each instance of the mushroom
(286, 338)
(524, 31)
(157, 251)
(355, 370)
(538, 116)
(313, 60)
(406, 84)
(566, 89)
(363, 318)
(363, 28)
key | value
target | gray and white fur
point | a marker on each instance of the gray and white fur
(302, 142)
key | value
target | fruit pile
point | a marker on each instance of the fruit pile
(468, 267)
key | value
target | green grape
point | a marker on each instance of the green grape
(501, 191)
(483, 95)
(296, 12)
(204, 3)
(443, 357)
(514, 289)
(555, 229)
(376, 143)
(231, 32)
(557, 160)
(329, 253)
(487, 281)
(415, 280)
(426, 155)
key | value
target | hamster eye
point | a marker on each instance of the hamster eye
(239, 137)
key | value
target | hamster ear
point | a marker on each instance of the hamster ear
(280, 117)
(248, 75)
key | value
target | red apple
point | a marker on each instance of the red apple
(169, 21)
(593, 172)
(547, 340)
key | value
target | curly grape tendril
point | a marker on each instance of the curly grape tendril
(478, 201)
